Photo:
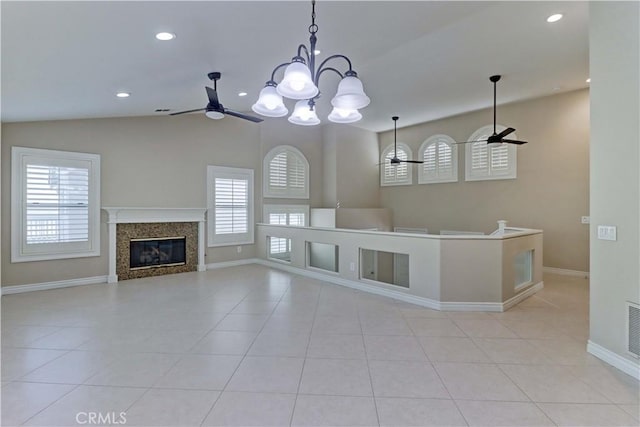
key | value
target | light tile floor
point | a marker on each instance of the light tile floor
(251, 346)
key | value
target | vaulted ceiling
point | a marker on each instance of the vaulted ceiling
(421, 60)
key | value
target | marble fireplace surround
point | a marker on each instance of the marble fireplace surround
(132, 215)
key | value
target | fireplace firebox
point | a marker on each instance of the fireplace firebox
(157, 252)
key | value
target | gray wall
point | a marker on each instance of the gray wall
(152, 162)
(350, 167)
(615, 180)
(551, 192)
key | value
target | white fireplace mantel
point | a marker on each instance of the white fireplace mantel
(129, 215)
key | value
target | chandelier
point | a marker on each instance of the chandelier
(300, 82)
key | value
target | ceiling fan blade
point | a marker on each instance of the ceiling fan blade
(243, 116)
(213, 98)
(412, 161)
(188, 111)
(505, 132)
(513, 141)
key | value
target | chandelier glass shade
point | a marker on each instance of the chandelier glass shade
(341, 115)
(303, 115)
(300, 82)
(271, 104)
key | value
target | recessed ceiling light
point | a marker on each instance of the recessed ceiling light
(164, 36)
(242, 93)
(589, 80)
(317, 52)
(123, 94)
(556, 88)
(555, 17)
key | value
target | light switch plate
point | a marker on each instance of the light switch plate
(607, 232)
(585, 219)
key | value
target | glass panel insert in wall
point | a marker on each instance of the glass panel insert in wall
(386, 267)
(522, 268)
(279, 248)
(323, 256)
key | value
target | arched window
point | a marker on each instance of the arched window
(440, 156)
(286, 173)
(483, 162)
(399, 174)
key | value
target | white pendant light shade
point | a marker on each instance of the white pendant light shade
(215, 115)
(303, 115)
(350, 94)
(270, 103)
(339, 115)
(297, 83)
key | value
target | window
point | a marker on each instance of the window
(399, 174)
(440, 156)
(55, 210)
(230, 206)
(297, 215)
(286, 173)
(484, 163)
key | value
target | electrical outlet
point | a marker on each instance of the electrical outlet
(608, 232)
(585, 219)
(239, 249)
(352, 266)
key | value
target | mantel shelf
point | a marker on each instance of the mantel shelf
(119, 215)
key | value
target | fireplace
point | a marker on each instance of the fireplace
(157, 252)
(129, 223)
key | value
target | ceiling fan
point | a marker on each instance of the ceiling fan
(215, 110)
(395, 160)
(497, 138)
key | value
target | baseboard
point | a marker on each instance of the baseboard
(627, 366)
(224, 264)
(18, 289)
(522, 296)
(470, 306)
(425, 302)
(401, 296)
(565, 272)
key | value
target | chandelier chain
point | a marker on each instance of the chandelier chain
(313, 28)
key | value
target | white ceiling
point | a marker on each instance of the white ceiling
(420, 60)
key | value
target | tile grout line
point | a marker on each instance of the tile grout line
(366, 358)
(244, 356)
(304, 361)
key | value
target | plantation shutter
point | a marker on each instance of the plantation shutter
(232, 205)
(57, 204)
(55, 209)
(479, 158)
(286, 174)
(500, 159)
(445, 160)
(395, 173)
(430, 165)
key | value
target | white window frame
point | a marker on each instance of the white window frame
(20, 250)
(436, 140)
(488, 173)
(387, 153)
(286, 192)
(213, 239)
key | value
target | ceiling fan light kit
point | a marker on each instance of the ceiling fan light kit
(300, 82)
(214, 109)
